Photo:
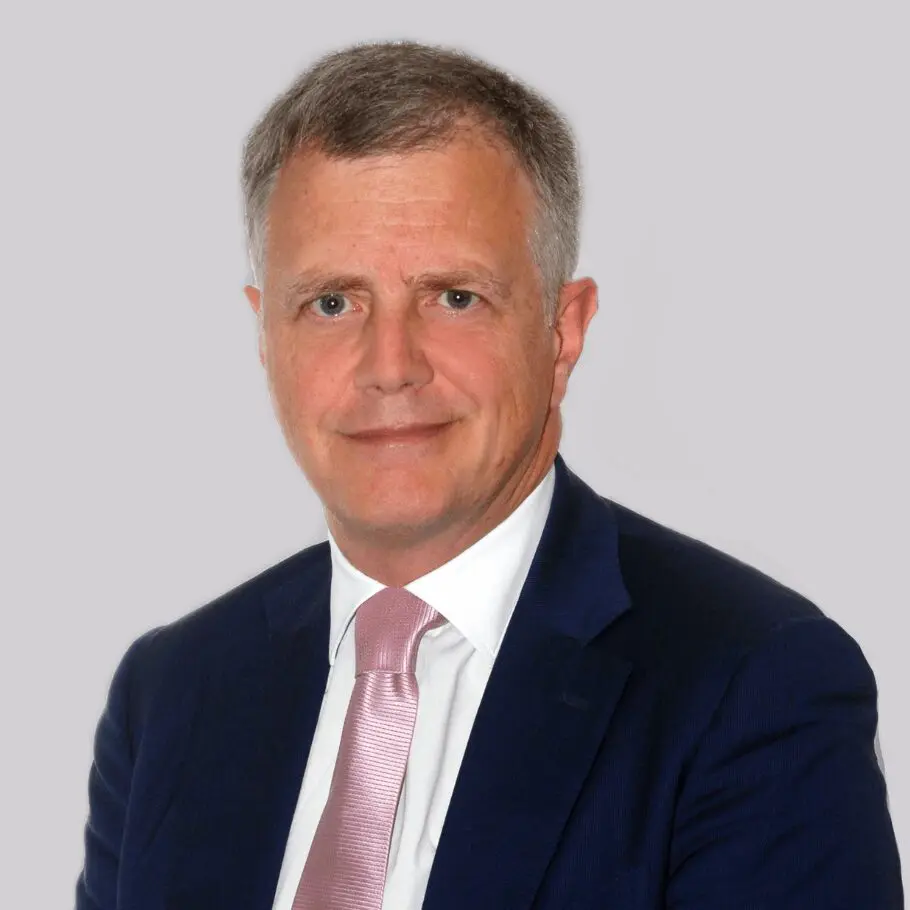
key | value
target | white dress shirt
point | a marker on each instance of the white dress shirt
(476, 592)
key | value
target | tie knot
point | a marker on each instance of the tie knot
(388, 628)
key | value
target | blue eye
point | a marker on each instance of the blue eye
(330, 304)
(456, 299)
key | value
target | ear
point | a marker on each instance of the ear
(575, 309)
(254, 296)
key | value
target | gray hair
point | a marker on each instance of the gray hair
(403, 96)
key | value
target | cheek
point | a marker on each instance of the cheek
(303, 386)
(529, 382)
(504, 377)
(469, 367)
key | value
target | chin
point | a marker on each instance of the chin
(401, 511)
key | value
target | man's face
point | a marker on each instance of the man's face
(403, 335)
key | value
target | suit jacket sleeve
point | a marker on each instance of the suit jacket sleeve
(783, 805)
(108, 789)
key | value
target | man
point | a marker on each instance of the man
(491, 687)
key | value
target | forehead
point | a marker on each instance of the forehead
(469, 197)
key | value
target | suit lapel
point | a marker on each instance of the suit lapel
(544, 713)
(256, 726)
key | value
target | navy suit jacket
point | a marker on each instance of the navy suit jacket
(664, 727)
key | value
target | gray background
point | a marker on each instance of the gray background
(745, 380)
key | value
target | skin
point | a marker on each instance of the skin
(362, 327)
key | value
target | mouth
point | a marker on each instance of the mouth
(399, 435)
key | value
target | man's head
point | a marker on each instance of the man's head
(413, 219)
(400, 97)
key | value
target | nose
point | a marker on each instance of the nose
(392, 356)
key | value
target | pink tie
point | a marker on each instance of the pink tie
(346, 866)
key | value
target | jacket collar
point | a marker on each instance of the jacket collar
(578, 554)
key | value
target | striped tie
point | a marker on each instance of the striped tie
(347, 862)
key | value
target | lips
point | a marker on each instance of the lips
(412, 432)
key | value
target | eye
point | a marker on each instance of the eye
(456, 299)
(329, 304)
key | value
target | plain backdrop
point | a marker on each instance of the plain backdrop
(746, 379)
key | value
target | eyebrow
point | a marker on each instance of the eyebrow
(313, 283)
(458, 278)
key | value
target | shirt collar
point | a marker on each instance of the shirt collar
(476, 591)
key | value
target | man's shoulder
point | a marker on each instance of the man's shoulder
(236, 621)
(692, 600)
(700, 619)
